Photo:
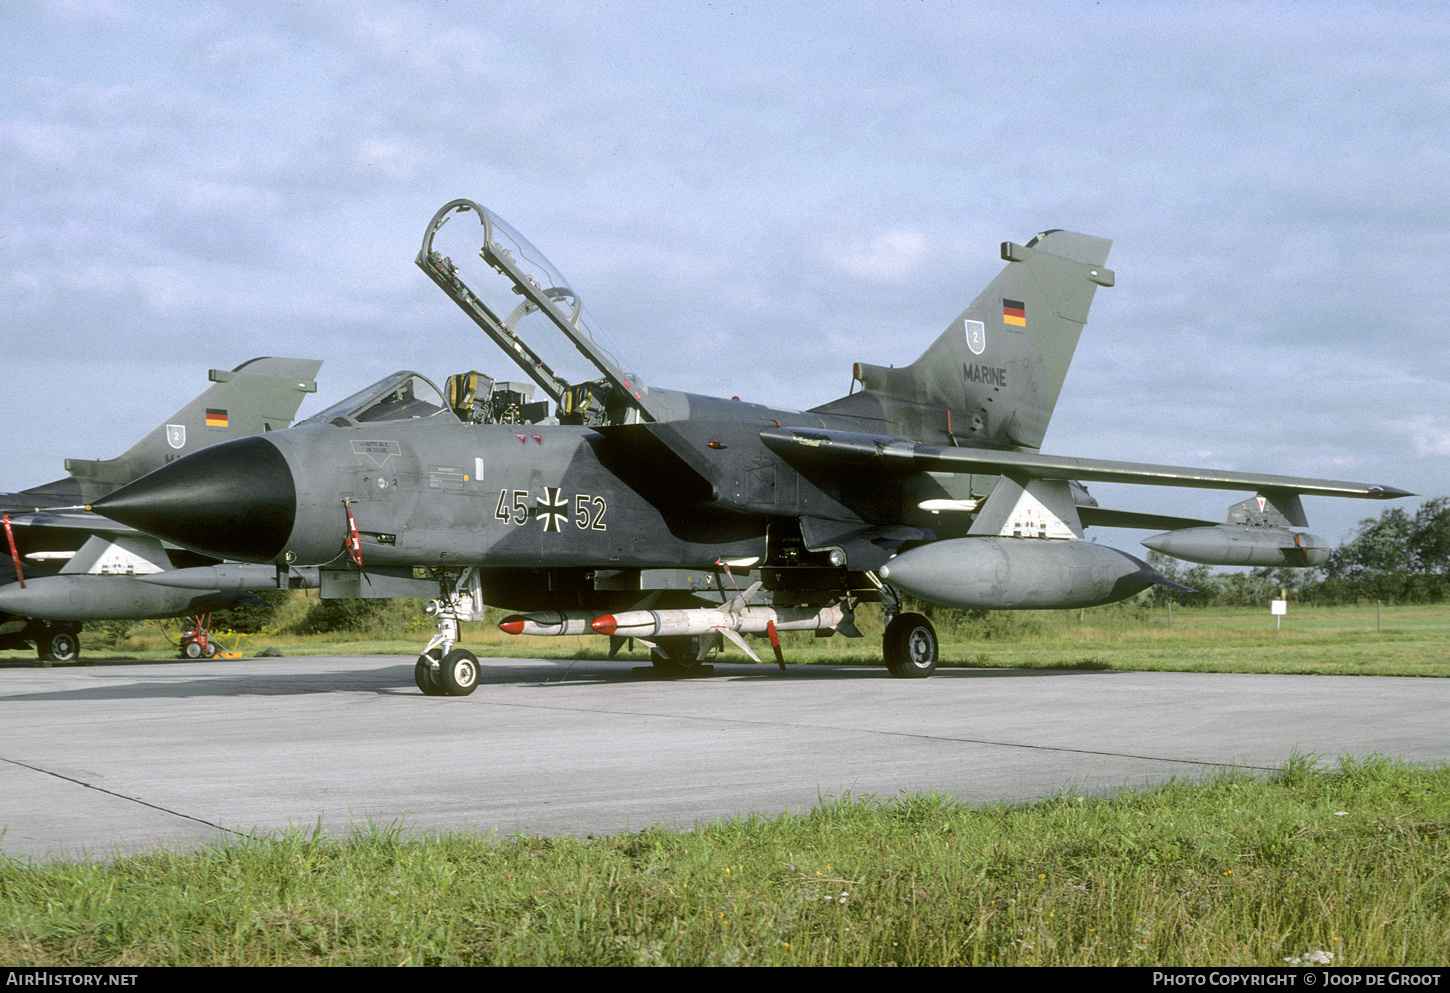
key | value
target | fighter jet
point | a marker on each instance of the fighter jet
(614, 506)
(64, 565)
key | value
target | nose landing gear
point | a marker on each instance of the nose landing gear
(444, 669)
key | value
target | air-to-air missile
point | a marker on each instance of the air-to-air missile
(632, 510)
(550, 623)
(680, 623)
(703, 620)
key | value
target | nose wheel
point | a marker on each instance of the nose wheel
(460, 672)
(428, 673)
(453, 674)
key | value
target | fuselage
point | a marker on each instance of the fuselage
(438, 494)
(434, 491)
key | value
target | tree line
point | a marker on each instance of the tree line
(1396, 558)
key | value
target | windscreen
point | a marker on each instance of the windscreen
(399, 397)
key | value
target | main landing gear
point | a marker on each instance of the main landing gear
(910, 647)
(58, 643)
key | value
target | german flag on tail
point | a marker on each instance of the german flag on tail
(1014, 313)
(216, 418)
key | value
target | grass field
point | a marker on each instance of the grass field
(1345, 867)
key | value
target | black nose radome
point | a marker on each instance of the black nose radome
(236, 500)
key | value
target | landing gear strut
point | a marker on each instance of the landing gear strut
(443, 669)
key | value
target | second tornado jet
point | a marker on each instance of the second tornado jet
(62, 566)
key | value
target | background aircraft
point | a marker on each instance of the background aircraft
(64, 566)
(682, 519)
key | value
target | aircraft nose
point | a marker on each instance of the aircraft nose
(236, 500)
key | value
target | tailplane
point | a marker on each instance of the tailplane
(994, 375)
(260, 395)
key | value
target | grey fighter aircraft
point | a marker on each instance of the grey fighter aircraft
(614, 506)
(62, 566)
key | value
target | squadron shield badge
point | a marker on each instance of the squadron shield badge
(976, 336)
(176, 435)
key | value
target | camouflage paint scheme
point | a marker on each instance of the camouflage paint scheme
(682, 519)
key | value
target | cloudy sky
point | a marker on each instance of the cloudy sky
(749, 197)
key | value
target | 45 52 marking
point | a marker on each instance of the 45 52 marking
(513, 508)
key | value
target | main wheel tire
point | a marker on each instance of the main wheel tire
(428, 678)
(460, 672)
(193, 649)
(910, 647)
(213, 649)
(58, 646)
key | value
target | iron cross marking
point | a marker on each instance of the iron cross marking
(552, 509)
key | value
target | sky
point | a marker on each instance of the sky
(749, 198)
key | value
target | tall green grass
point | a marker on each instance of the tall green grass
(1349, 863)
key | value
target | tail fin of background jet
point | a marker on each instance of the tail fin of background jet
(995, 374)
(260, 395)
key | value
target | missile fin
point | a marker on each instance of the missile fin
(742, 599)
(735, 637)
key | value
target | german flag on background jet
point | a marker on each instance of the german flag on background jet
(1014, 312)
(216, 418)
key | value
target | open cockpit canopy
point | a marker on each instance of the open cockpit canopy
(502, 296)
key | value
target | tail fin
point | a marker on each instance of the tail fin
(260, 395)
(998, 368)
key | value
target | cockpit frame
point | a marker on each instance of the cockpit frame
(560, 304)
